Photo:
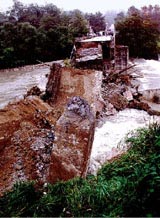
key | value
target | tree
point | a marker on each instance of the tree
(133, 11)
(16, 11)
(3, 18)
(141, 35)
(96, 21)
(25, 42)
(120, 17)
(152, 12)
(78, 25)
(32, 14)
(7, 35)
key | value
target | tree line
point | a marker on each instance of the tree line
(31, 33)
(44, 33)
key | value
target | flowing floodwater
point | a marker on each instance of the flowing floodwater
(150, 74)
(14, 84)
(109, 138)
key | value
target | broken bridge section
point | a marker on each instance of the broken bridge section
(100, 52)
(80, 90)
(74, 137)
(85, 83)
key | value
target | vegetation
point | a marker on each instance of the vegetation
(97, 21)
(44, 33)
(140, 30)
(127, 187)
(32, 33)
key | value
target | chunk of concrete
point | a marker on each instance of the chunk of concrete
(74, 137)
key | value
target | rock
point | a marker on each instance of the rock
(35, 90)
(79, 106)
(156, 99)
(109, 109)
(113, 94)
(128, 95)
(125, 79)
(118, 101)
(154, 112)
(139, 105)
(18, 167)
(71, 153)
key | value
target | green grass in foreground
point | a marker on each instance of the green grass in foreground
(126, 187)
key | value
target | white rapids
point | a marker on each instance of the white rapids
(109, 138)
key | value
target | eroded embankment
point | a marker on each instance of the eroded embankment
(49, 143)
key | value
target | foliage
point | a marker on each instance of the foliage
(44, 33)
(96, 21)
(127, 187)
(78, 24)
(140, 32)
(67, 62)
(153, 12)
(20, 200)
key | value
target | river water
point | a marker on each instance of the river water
(150, 74)
(109, 139)
(15, 83)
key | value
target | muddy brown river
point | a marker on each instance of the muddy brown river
(14, 84)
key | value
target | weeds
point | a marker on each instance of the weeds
(126, 187)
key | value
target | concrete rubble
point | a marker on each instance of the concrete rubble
(73, 144)
(120, 91)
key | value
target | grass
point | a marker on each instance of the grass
(126, 187)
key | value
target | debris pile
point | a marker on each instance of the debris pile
(27, 136)
(120, 92)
